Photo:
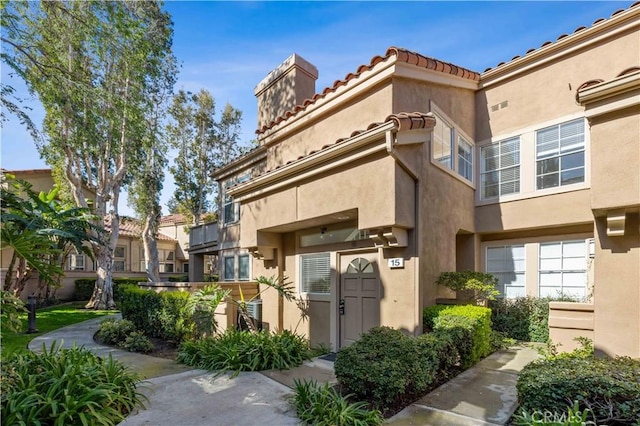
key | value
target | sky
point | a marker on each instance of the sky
(229, 47)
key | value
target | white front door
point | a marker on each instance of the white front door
(359, 299)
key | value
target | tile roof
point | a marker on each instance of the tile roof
(130, 227)
(402, 55)
(596, 81)
(402, 121)
(560, 37)
(172, 219)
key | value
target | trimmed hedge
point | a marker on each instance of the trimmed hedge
(474, 320)
(387, 368)
(164, 315)
(609, 387)
(523, 318)
(84, 287)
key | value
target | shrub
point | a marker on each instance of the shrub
(164, 315)
(202, 306)
(476, 286)
(610, 388)
(523, 318)
(66, 386)
(572, 417)
(179, 278)
(476, 320)
(384, 366)
(113, 331)
(245, 351)
(322, 405)
(84, 288)
(136, 341)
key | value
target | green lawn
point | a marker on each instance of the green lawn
(48, 319)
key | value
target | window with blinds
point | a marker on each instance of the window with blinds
(500, 168)
(507, 264)
(315, 273)
(563, 269)
(442, 143)
(560, 154)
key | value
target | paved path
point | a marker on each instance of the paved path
(180, 396)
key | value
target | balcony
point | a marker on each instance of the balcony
(203, 238)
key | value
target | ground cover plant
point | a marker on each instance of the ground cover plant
(608, 389)
(240, 350)
(66, 386)
(123, 333)
(323, 405)
(47, 319)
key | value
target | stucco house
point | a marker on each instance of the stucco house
(363, 193)
(129, 254)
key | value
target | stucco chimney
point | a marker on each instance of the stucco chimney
(288, 85)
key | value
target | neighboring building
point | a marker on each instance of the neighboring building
(128, 260)
(364, 193)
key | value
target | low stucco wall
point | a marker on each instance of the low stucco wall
(568, 320)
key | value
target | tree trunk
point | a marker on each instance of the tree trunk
(8, 278)
(23, 274)
(151, 250)
(102, 297)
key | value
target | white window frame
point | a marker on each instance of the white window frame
(230, 208)
(462, 161)
(500, 168)
(502, 286)
(226, 276)
(74, 264)
(307, 290)
(248, 257)
(559, 155)
(564, 268)
(452, 165)
(119, 259)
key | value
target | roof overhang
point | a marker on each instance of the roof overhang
(612, 95)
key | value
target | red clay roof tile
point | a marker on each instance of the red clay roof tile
(581, 28)
(402, 55)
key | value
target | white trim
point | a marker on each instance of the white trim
(563, 47)
(607, 89)
(304, 168)
(414, 72)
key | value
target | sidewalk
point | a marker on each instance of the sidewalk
(485, 394)
(178, 395)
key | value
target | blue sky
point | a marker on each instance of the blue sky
(228, 47)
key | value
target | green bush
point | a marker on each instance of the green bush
(523, 318)
(384, 366)
(66, 386)
(113, 331)
(455, 318)
(136, 341)
(610, 388)
(245, 351)
(476, 286)
(322, 405)
(179, 278)
(84, 287)
(164, 315)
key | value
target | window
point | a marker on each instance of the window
(563, 269)
(449, 148)
(443, 143)
(165, 259)
(230, 209)
(185, 268)
(243, 267)
(119, 255)
(506, 263)
(465, 159)
(76, 261)
(560, 154)
(500, 168)
(229, 268)
(315, 273)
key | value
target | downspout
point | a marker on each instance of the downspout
(391, 150)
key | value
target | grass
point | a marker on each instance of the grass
(48, 319)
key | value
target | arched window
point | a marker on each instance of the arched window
(360, 266)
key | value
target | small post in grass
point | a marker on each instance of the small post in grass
(31, 302)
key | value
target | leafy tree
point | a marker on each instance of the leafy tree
(40, 229)
(144, 192)
(203, 144)
(92, 66)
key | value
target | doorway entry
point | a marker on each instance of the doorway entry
(359, 298)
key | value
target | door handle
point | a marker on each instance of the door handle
(341, 306)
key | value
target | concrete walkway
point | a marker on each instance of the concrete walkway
(180, 396)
